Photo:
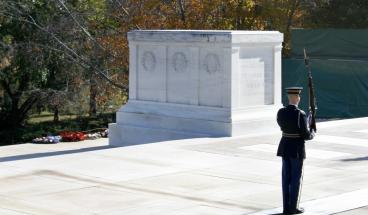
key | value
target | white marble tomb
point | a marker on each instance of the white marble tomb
(186, 83)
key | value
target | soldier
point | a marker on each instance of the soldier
(295, 130)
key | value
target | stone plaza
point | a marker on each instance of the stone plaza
(236, 175)
(197, 136)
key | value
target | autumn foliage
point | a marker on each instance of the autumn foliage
(77, 50)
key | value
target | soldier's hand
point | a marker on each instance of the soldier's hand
(313, 134)
(309, 118)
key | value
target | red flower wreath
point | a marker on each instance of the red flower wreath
(72, 136)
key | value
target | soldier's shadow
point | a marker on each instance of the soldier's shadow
(276, 214)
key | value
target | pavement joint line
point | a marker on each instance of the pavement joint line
(109, 185)
(337, 123)
(329, 205)
(339, 140)
(226, 139)
(311, 153)
(351, 209)
(17, 211)
(362, 131)
(235, 179)
(22, 201)
(157, 176)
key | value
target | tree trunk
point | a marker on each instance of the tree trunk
(294, 7)
(16, 116)
(56, 114)
(181, 4)
(93, 96)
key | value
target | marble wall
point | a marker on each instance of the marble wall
(180, 74)
(215, 76)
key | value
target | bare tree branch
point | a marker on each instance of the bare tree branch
(181, 4)
(125, 11)
(73, 54)
(79, 25)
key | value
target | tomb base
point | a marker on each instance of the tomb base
(146, 122)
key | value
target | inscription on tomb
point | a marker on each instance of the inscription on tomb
(252, 77)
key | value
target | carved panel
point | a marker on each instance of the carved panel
(211, 78)
(151, 73)
(212, 63)
(148, 61)
(181, 70)
(179, 62)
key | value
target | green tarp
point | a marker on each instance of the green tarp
(339, 63)
(330, 43)
(341, 86)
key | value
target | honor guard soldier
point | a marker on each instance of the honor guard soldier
(295, 130)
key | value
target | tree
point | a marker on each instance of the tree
(31, 32)
(337, 14)
(88, 38)
(23, 76)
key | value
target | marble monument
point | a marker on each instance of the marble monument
(187, 84)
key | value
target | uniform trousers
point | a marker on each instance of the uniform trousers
(292, 169)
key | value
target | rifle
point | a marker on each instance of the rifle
(312, 98)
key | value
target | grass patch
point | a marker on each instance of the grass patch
(43, 125)
(48, 117)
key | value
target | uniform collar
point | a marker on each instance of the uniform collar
(292, 106)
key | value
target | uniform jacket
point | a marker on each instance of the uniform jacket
(293, 121)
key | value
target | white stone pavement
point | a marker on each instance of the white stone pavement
(193, 176)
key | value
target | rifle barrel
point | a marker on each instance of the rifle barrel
(312, 99)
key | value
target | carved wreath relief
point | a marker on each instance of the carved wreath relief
(212, 63)
(148, 61)
(180, 62)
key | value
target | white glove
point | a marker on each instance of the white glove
(309, 118)
(313, 134)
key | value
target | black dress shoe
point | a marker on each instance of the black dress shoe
(296, 211)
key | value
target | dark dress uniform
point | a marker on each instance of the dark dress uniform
(295, 130)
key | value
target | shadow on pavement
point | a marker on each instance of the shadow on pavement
(356, 159)
(135, 188)
(55, 153)
(72, 151)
